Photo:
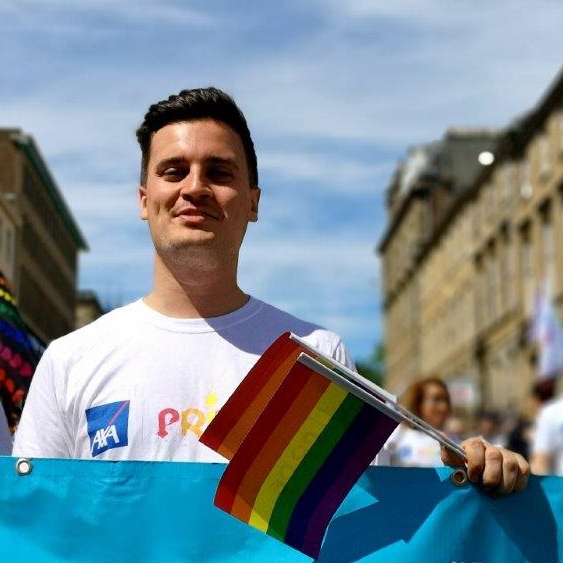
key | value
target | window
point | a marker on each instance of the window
(560, 127)
(526, 187)
(9, 246)
(508, 181)
(526, 268)
(505, 277)
(479, 292)
(547, 250)
(544, 155)
(491, 271)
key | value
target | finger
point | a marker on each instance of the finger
(510, 473)
(515, 473)
(493, 472)
(475, 450)
(451, 458)
(524, 471)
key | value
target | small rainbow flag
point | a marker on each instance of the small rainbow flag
(298, 441)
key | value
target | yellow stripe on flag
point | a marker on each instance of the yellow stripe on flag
(293, 454)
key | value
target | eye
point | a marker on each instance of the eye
(173, 173)
(220, 174)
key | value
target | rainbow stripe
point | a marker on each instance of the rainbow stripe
(17, 355)
(235, 419)
(301, 456)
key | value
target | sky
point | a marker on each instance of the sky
(335, 93)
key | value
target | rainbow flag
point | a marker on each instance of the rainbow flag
(300, 443)
(18, 358)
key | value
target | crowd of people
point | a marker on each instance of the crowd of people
(536, 433)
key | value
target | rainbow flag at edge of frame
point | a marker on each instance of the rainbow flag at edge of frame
(297, 441)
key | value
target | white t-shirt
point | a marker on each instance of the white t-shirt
(136, 384)
(548, 436)
(408, 447)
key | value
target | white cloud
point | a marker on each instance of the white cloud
(353, 79)
(70, 16)
(429, 14)
(336, 172)
(333, 101)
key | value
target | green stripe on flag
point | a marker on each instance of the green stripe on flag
(311, 463)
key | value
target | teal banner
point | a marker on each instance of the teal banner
(54, 510)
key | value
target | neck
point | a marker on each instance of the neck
(192, 292)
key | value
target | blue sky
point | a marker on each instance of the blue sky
(335, 93)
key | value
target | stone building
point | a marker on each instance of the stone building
(88, 308)
(475, 228)
(39, 238)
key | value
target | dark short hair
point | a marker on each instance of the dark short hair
(544, 390)
(190, 105)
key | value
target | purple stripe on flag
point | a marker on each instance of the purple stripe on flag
(343, 467)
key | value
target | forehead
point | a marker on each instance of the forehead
(434, 389)
(196, 139)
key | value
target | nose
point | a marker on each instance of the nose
(195, 185)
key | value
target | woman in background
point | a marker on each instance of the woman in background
(428, 399)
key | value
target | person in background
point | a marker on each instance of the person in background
(547, 442)
(143, 381)
(489, 427)
(429, 399)
(455, 429)
(521, 435)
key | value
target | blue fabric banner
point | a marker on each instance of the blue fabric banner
(68, 510)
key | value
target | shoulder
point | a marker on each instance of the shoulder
(404, 433)
(272, 316)
(100, 330)
(276, 321)
(552, 411)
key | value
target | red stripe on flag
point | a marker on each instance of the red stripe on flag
(266, 441)
(234, 420)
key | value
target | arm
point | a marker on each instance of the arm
(495, 469)
(42, 431)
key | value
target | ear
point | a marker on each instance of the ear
(254, 201)
(143, 202)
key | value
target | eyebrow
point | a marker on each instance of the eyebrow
(169, 161)
(231, 161)
(177, 160)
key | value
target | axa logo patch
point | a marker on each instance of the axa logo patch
(107, 426)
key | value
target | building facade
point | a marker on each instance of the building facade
(466, 250)
(88, 308)
(39, 238)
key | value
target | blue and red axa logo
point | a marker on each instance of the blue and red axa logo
(107, 426)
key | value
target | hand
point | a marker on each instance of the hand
(496, 470)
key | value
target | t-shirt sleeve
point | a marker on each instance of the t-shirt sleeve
(42, 431)
(342, 355)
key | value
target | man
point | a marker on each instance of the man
(143, 381)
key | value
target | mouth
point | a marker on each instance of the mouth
(190, 214)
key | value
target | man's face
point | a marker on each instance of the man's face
(197, 193)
